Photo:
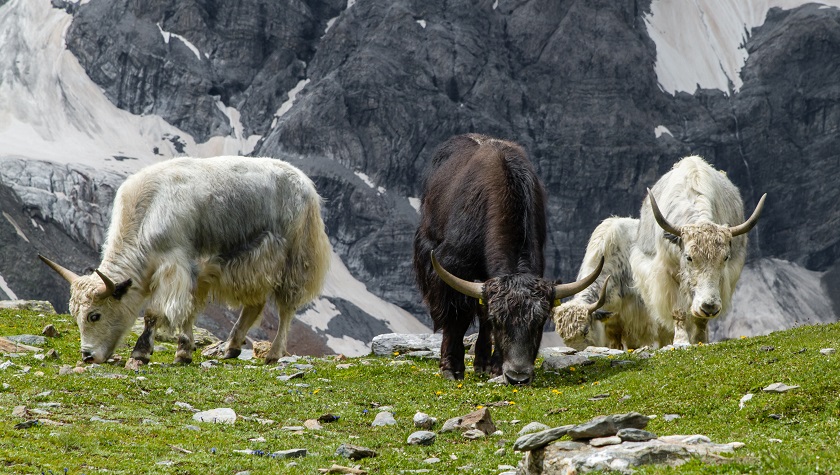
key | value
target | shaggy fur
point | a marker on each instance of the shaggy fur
(234, 229)
(678, 277)
(483, 213)
(629, 325)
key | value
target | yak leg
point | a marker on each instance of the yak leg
(680, 331)
(452, 348)
(236, 339)
(145, 345)
(186, 342)
(278, 346)
(483, 362)
(697, 329)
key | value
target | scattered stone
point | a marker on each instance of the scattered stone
(312, 424)
(52, 354)
(27, 424)
(192, 427)
(293, 428)
(421, 437)
(743, 402)
(424, 421)
(7, 364)
(778, 388)
(556, 350)
(479, 419)
(431, 460)
(341, 469)
(501, 452)
(671, 417)
(184, 405)
(532, 427)
(344, 365)
(99, 419)
(599, 397)
(41, 306)
(540, 439)
(601, 351)
(384, 418)
(563, 361)
(473, 434)
(209, 364)
(603, 426)
(286, 377)
(354, 452)
(304, 367)
(624, 398)
(635, 435)
(133, 365)
(390, 343)
(49, 331)
(79, 369)
(775, 441)
(288, 454)
(450, 425)
(827, 351)
(222, 415)
(20, 411)
(7, 345)
(31, 340)
(287, 360)
(767, 348)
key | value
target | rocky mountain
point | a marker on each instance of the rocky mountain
(604, 95)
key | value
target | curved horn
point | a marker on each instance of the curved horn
(751, 222)
(68, 275)
(470, 289)
(109, 286)
(601, 299)
(663, 223)
(565, 290)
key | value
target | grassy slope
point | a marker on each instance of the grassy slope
(702, 384)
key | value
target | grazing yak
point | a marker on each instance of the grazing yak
(235, 229)
(483, 219)
(621, 320)
(675, 268)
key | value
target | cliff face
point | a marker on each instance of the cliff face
(359, 94)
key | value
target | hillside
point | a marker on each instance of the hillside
(108, 417)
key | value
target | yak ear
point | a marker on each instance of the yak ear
(121, 289)
(672, 237)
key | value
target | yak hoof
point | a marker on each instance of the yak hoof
(141, 358)
(183, 360)
(271, 360)
(232, 353)
(451, 375)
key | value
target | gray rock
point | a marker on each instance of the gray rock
(532, 427)
(431, 460)
(423, 421)
(421, 437)
(604, 426)
(384, 418)
(479, 419)
(49, 331)
(31, 340)
(540, 439)
(192, 427)
(354, 452)
(451, 425)
(670, 417)
(605, 441)
(41, 306)
(290, 453)
(827, 351)
(779, 388)
(635, 435)
(473, 434)
(222, 415)
(99, 419)
(561, 361)
(286, 377)
(547, 351)
(293, 428)
(390, 343)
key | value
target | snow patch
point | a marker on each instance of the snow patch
(330, 23)
(15, 225)
(5, 288)
(287, 106)
(422, 23)
(661, 129)
(235, 121)
(168, 35)
(350, 3)
(496, 4)
(700, 43)
(414, 202)
(365, 179)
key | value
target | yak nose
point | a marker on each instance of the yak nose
(517, 377)
(87, 356)
(710, 309)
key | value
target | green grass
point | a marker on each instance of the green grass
(702, 384)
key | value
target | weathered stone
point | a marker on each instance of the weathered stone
(827, 351)
(473, 434)
(451, 424)
(604, 426)
(605, 441)
(383, 418)
(635, 435)
(222, 415)
(561, 361)
(30, 340)
(312, 424)
(479, 419)
(286, 377)
(290, 453)
(20, 411)
(779, 388)
(354, 452)
(41, 306)
(49, 331)
(541, 439)
(423, 421)
(390, 343)
(547, 351)
(421, 437)
(532, 427)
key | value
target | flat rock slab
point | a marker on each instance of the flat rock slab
(538, 440)
(560, 361)
(421, 437)
(574, 457)
(390, 343)
(222, 415)
(605, 426)
(34, 305)
(778, 388)
(354, 452)
(290, 453)
(9, 346)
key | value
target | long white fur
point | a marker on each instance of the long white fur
(164, 222)
(692, 193)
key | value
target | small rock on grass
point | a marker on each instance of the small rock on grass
(341, 469)
(421, 437)
(354, 452)
(287, 454)
(778, 388)
(312, 424)
(222, 415)
(474, 434)
(384, 419)
(827, 351)
(423, 421)
(532, 427)
(49, 331)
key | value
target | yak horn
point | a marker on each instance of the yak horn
(68, 275)
(470, 289)
(663, 223)
(565, 290)
(602, 298)
(109, 289)
(751, 222)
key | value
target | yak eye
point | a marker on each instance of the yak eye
(93, 317)
(688, 258)
(727, 257)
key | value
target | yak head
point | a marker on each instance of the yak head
(517, 308)
(705, 251)
(103, 311)
(576, 321)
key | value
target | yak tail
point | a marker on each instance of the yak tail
(309, 257)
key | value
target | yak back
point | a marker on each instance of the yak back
(484, 209)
